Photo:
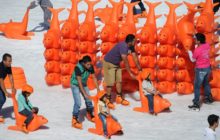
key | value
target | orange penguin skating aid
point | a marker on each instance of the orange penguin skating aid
(17, 30)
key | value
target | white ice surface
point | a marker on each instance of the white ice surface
(56, 103)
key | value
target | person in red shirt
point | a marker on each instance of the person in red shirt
(202, 71)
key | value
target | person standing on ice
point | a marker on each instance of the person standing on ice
(141, 5)
(112, 70)
(44, 4)
(79, 85)
(202, 71)
(5, 69)
(210, 133)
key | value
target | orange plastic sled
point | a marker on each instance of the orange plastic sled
(116, 12)
(216, 94)
(168, 33)
(18, 76)
(53, 35)
(52, 66)
(69, 57)
(17, 30)
(110, 30)
(184, 88)
(36, 123)
(106, 47)
(51, 41)
(88, 47)
(53, 79)
(70, 27)
(69, 45)
(186, 27)
(166, 63)
(184, 75)
(65, 81)
(214, 83)
(205, 22)
(159, 103)
(166, 87)
(148, 61)
(165, 75)
(67, 68)
(147, 49)
(149, 31)
(112, 126)
(184, 63)
(52, 54)
(129, 26)
(167, 50)
(87, 30)
(55, 23)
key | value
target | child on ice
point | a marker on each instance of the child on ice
(25, 107)
(149, 91)
(104, 112)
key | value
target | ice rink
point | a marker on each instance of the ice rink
(56, 103)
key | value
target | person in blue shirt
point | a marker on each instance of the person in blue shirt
(25, 107)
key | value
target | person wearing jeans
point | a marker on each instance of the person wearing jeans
(79, 79)
(202, 70)
(141, 6)
(104, 112)
(149, 91)
(5, 69)
(77, 100)
(202, 78)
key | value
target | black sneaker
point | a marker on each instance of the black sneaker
(208, 100)
(194, 107)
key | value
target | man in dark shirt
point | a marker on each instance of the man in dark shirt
(79, 85)
(112, 70)
(5, 69)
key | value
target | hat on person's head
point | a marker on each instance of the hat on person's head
(27, 88)
(101, 94)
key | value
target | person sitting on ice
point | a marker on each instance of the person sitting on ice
(79, 87)
(25, 107)
(104, 112)
(149, 91)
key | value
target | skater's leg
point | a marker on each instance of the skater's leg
(77, 100)
(104, 124)
(150, 102)
(141, 6)
(208, 95)
(47, 14)
(199, 77)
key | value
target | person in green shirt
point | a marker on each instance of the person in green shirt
(25, 107)
(79, 85)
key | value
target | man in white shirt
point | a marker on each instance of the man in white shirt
(210, 133)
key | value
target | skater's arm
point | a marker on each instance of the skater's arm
(127, 67)
(134, 55)
(3, 87)
(96, 82)
(82, 90)
(12, 83)
(191, 56)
